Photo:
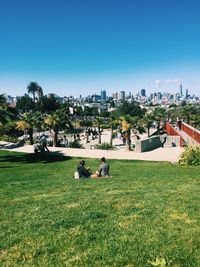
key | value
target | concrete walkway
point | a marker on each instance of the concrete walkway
(189, 140)
(160, 154)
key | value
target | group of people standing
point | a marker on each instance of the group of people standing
(85, 172)
(41, 145)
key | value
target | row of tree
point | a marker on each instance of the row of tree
(41, 112)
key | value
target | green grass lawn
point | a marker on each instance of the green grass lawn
(147, 210)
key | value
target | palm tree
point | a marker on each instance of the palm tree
(35, 89)
(148, 120)
(38, 120)
(112, 123)
(159, 114)
(56, 121)
(126, 124)
(187, 111)
(26, 122)
(25, 103)
(97, 123)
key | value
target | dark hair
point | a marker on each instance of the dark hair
(82, 162)
(103, 159)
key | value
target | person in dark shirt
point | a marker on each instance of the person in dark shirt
(83, 172)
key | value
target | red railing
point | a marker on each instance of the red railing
(191, 131)
(171, 131)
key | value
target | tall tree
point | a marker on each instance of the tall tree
(38, 121)
(35, 89)
(159, 114)
(56, 121)
(187, 111)
(113, 122)
(26, 122)
(148, 120)
(126, 125)
(98, 123)
(48, 103)
(132, 109)
(25, 103)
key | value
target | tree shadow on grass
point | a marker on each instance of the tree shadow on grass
(45, 157)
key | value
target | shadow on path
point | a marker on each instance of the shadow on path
(11, 145)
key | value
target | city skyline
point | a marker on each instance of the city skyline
(82, 47)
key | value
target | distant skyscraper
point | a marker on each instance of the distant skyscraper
(181, 89)
(115, 95)
(159, 95)
(186, 94)
(122, 95)
(177, 96)
(103, 95)
(143, 92)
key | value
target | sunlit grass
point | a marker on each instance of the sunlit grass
(147, 213)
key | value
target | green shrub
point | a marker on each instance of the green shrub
(75, 131)
(7, 138)
(86, 123)
(104, 146)
(10, 130)
(75, 144)
(191, 156)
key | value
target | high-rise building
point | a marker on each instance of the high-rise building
(122, 95)
(115, 95)
(103, 95)
(159, 95)
(177, 96)
(181, 89)
(186, 94)
(143, 92)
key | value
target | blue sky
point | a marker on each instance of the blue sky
(84, 46)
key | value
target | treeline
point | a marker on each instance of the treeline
(38, 112)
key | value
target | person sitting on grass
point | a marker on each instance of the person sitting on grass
(82, 171)
(103, 171)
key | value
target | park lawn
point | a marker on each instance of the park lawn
(147, 214)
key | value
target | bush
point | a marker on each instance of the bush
(191, 156)
(8, 138)
(9, 129)
(75, 144)
(104, 146)
(86, 123)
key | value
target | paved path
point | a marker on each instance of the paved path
(160, 154)
(187, 138)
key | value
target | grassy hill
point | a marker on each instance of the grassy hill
(147, 214)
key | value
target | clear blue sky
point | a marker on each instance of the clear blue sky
(84, 46)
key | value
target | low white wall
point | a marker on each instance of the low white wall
(148, 144)
(154, 142)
